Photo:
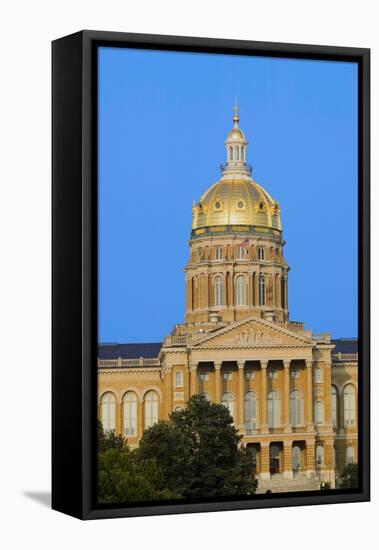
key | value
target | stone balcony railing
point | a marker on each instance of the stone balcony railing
(120, 363)
(176, 340)
(344, 357)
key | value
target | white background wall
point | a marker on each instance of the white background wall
(26, 31)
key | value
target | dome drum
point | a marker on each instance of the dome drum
(236, 230)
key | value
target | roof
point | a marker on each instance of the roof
(129, 351)
(345, 345)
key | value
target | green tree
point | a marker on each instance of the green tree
(122, 477)
(108, 439)
(349, 477)
(199, 453)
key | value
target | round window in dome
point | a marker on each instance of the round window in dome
(240, 204)
(218, 205)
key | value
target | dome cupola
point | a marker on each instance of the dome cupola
(236, 203)
(236, 145)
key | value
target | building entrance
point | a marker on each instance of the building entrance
(275, 452)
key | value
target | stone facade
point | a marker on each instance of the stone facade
(292, 393)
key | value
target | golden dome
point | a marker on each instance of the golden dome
(236, 203)
(236, 133)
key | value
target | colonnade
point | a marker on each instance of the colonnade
(263, 393)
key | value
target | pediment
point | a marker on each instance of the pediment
(252, 333)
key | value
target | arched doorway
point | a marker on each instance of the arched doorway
(296, 459)
(275, 458)
(254, 451)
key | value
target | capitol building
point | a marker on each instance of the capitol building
(292, 393)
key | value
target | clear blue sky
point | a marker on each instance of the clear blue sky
(163, 118)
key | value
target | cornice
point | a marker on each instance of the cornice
(127, 370)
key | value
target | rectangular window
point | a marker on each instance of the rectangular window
(319, 412)
(218, 253)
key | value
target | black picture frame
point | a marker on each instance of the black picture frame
(74, 269)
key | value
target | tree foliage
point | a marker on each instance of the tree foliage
(349, 477)
(122, 477)
(199, 453)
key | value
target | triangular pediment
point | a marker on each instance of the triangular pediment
(252, 332)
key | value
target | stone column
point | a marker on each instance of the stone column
(207, 292)
(263, 397)
(256, 290)
(240, 396)
(217, 381)
(329, 473)
(310, 457)
(286, 397)
(168, 385)
(187, 380)
(287, 466)
(309, 397)
(265, 460)
(139, 419)
(285, 292)
(193, 379)
(327, 385)
(119, 422)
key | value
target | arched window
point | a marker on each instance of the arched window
(273, 409)
(231, 153)
(129, 406)
(334, 407)
(319, 455)
(319, 412)
(178, 408)
(108, 411)
(179, 379)
(237, 153)
(296, 407)
(350, 455)
(349, 405)
(262, 291)
(218, 288)
(251, 411)
(151, 408)
(243, 153)
(261, 253)
(296, 457)
(228, 402)
(240, 290)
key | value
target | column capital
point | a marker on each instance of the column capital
(287, 443)
(286, 363)
(241, 364)
(193, 366)
(309, 363)
(264, 364)
(217, 365)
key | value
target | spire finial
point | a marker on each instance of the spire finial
(236, 118)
